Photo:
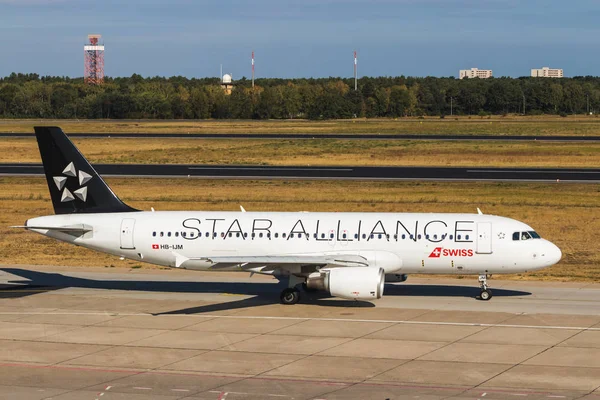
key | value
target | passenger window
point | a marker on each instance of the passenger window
(331, 236)
(380, 236)
(183, 234)
(458, 237)
(403, 237)
(276, 235)
(291, 235)
(207, 234)
(253, 235)
(237, 234)
(467, 237)
(314, 235)
(245, 234)
(364, 236)
(395, 237)
(269, 235)
(419, 237)
(372, 236)
(260, 235)
(283, 235)
(344, 236)
(322, 236)
(153, 233)
(451, 237)
(356, 236)
(222, 234)
(434, 237)
(162, 234)
(215, 234)
(427, 237)
(176, 234)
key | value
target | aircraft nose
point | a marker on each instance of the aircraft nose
(553, 253)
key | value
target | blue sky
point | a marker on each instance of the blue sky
(308, 38)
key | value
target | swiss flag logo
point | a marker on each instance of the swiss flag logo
(436, 253)
(155, 247)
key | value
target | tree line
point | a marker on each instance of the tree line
(136, 97)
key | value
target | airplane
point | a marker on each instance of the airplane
(349, 255)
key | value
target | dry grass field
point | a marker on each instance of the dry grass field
(567, 214)
(509, 125)
(320, 152)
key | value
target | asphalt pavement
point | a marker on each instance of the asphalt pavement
(327, 172)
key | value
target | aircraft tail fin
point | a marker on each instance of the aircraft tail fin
(75, 186)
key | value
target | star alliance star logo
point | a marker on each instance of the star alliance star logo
(501, 235)
(60, 182)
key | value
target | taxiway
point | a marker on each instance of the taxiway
(111, 333)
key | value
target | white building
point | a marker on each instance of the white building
(546, 72)
(475, 73)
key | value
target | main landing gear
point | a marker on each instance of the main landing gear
(485, 293)
(291, 295)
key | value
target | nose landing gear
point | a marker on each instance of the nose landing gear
(485, 293)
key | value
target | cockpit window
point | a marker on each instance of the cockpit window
(526, 235)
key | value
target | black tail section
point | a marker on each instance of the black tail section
(75, 187)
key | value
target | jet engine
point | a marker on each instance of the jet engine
(356, 283)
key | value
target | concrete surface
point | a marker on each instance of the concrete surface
(91, 333)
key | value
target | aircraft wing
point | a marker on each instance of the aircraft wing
(269, 263)
(289, 261)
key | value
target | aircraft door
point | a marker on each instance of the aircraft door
(127, 226)
(484, 238)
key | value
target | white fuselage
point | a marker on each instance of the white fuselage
(402, 243)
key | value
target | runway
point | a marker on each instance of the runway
(316, 172)
(344, 136)
(112, 333)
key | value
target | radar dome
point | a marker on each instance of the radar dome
(227, 78)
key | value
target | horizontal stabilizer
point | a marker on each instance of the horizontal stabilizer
(73, 228)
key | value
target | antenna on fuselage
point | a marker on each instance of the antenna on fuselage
(242, 208)
(479, 211)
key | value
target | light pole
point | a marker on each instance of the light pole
(588, 104)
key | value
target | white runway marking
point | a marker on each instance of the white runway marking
(388, 321)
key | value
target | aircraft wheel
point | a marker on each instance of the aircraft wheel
(485, 294)
(290, 296)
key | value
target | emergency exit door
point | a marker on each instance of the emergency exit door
(127, 226)
(484, 238)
